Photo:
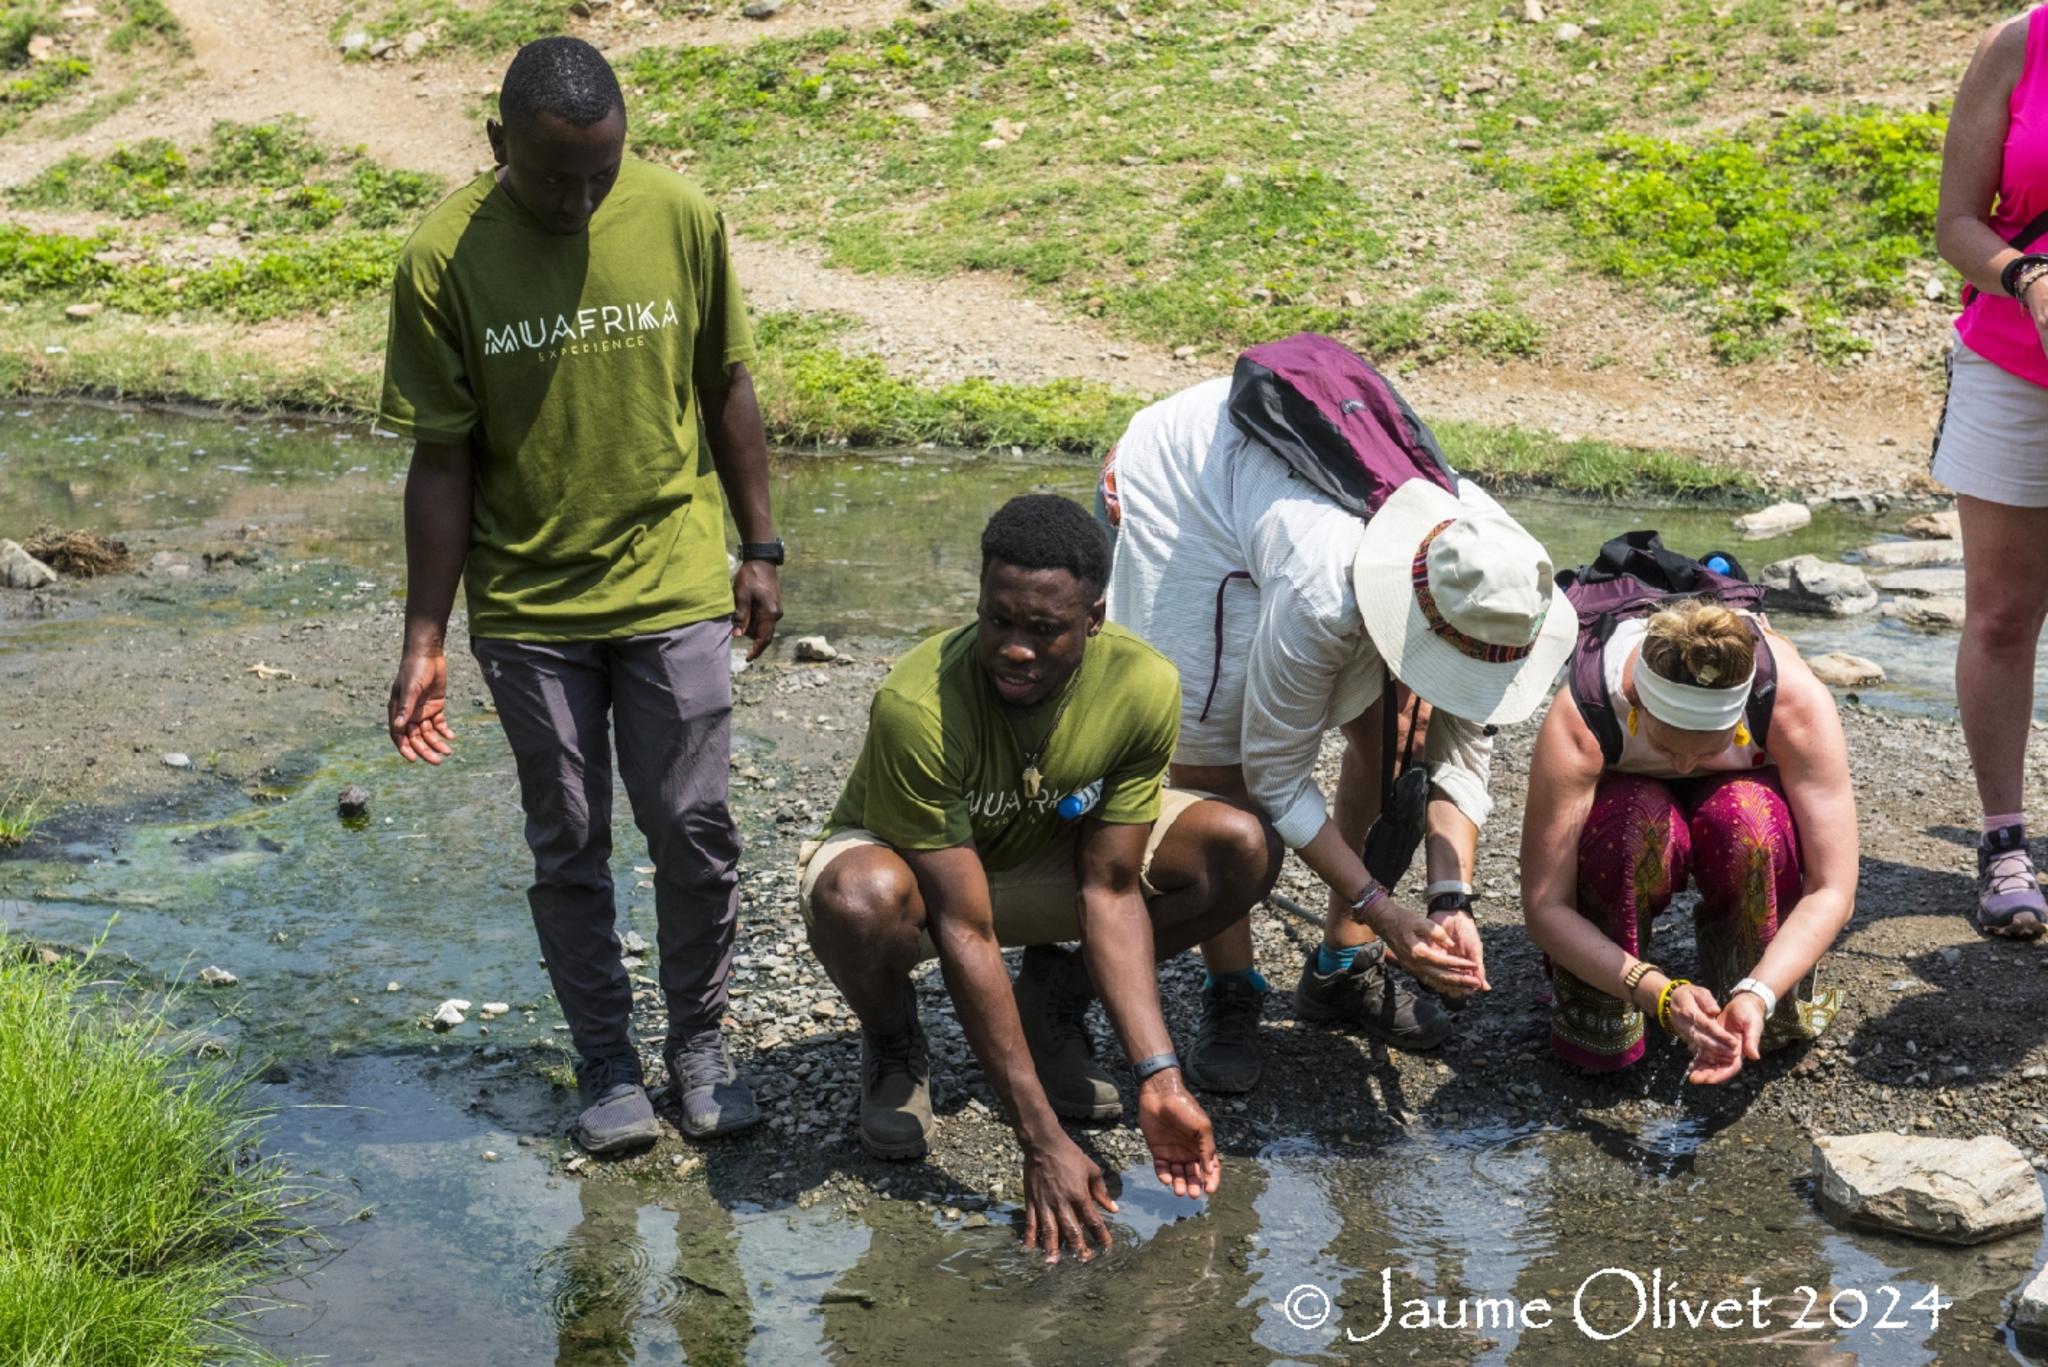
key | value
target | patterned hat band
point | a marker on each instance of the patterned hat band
(1471, 647)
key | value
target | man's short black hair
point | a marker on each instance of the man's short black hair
(565, 77)
(1047, 532)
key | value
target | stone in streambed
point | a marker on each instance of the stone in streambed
(815, 650)
(448, 1014)
(1809, 584)
(1843, 670)
(1946, 525)
(211, 976)
(1926, 614)
(1907, 555)
(1952, 1191)
(1933, 582)
(2030, 1315)
(1776, 520)
(20, 570)
(353, 802)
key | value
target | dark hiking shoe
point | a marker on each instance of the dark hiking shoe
(708, 1089)
(1375, 997)
(1053, 993)
(616, 1112)
(1226, 1053)
(896, 1092)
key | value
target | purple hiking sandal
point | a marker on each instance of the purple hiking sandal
(2009, 900)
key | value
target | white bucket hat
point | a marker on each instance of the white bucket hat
(1461, 604)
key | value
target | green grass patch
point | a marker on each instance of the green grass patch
(274, 278)
(1781, 231)
(24, 803)
(272, 177)
(133, 1219)
(814, 392)
(1508, 459)
(148, 21)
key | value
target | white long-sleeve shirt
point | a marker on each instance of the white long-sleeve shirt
(1210, 516)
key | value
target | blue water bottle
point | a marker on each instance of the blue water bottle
(1074, 806)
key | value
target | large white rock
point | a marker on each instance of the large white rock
(1908, 555)
(1776, 520)
(1807, 583)
(1952, 1191)
(448, 1014)
(1843, 670)
(20, 570)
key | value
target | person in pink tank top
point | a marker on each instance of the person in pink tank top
(1991, 447)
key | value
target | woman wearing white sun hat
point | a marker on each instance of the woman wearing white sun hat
(1281, 608)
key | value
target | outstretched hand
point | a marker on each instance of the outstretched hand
(1062, 1192)
(1177, 1131)
(1696, 1019)
(418, 709)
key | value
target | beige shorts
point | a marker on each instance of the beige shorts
(1993, 439)
(1036, 903)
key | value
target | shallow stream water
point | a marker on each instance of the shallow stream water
(345, 935)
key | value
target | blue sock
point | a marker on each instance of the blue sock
(1330, 960)
(1248, 975)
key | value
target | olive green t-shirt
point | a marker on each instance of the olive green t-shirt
(943, 762)
(572, 365)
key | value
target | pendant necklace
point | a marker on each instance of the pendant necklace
(1033, 779)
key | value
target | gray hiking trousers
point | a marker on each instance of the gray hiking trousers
(670, 697)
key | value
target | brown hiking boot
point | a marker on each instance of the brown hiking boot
(896, 1091)
(1374, 996)
(1053, 992)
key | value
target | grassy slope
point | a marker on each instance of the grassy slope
(1408, 180)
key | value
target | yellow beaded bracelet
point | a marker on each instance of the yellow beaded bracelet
(1664, 1003)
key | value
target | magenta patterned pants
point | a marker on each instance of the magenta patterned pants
(1732, 834)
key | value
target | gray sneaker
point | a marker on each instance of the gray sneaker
(1053, 993)
(616, 1112)
(1226, 1053)
(896, 1092)
(1375, 997)
(709, 1092)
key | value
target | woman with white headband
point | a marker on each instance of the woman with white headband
(1766, 827)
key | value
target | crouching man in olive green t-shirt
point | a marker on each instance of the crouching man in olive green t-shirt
(1009, 792)
(563, 329)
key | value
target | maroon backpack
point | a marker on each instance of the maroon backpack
(1323, 409)
(1633, 576)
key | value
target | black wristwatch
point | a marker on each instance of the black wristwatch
(770, 551)
(1451, 901)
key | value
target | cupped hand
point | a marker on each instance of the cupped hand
(1428, 951)
(2035, 302)
(1177, 1131)
(1062, 1192)
(1743, 1018)
(757, 604)
(1465, 941)
(418, 710)
(1696, 1019)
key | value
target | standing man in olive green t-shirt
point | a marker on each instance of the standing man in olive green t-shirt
(568, 353)
(1009, 792)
